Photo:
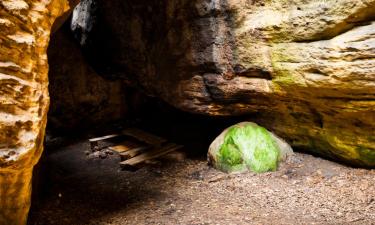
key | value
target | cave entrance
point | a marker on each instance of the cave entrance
(86, 99)
(84, 105)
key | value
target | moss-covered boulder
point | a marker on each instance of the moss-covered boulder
(247, 146)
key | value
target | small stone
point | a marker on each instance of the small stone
(109, 152)
(102, 155)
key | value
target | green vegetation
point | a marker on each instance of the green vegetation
(367, 155)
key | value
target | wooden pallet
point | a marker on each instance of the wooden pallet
(144, 136)
(134, 162)
(137, 147)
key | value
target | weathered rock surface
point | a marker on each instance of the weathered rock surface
(25, 28)
(303, 68)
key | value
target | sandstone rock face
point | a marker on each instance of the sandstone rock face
(25, 28)
(303, 68)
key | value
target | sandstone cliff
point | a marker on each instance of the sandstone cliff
(305, 69)
(302, 68)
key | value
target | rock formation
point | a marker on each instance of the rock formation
(247, 146)
(25, 28)
(304, 69)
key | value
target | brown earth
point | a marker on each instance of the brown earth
(183, 190)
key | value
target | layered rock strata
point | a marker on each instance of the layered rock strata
(25, 30)
(304, 69)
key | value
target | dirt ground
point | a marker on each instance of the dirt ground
(78, 189)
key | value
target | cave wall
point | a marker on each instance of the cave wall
(25, 30)
(80, 97)
(302, 68)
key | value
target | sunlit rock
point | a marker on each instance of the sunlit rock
(303, 68)
(24, 36)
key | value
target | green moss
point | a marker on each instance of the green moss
(283, 79)
(367, 156)
(248, 146)
(229, 156)
(266, 152)
(282, 76)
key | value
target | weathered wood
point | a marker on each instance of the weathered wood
(144, 136)
(131, 163)
(94, 145)
(104, 137)
(138, 148)
(124, 146)
(133, 152)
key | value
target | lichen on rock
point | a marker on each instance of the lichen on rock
(247, 146)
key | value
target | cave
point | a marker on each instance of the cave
(238, 112)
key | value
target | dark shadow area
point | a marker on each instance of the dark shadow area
(81, 188)
(72, 188)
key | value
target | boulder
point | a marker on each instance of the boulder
(248, 146)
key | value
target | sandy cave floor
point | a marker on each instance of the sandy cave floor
(78, 189)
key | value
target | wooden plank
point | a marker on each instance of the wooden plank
(144, 136)
(150, 155)
(104, 137)
(124, 146)
(133, 152)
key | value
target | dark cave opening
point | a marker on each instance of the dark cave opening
(87, 101)
(83, 105)
(88, 98)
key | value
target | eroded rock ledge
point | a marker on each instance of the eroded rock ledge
(304, 69)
